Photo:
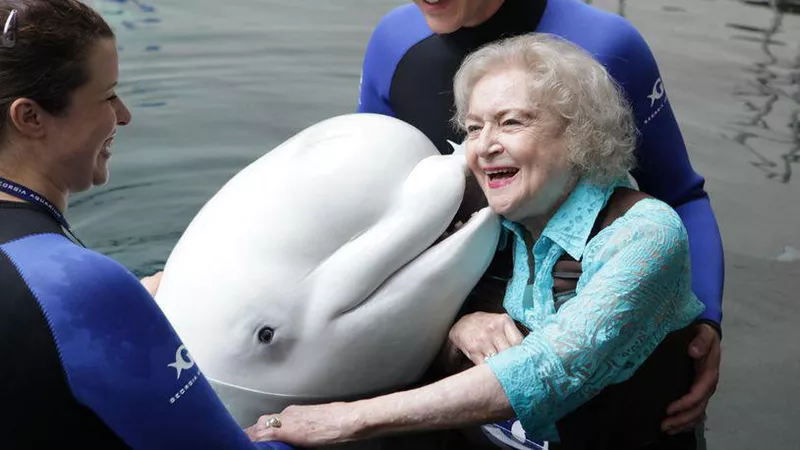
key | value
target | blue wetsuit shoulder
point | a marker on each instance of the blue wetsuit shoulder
(121, 357)
(663, 166)
(397, 32)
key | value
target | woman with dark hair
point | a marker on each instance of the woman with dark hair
(87, 355)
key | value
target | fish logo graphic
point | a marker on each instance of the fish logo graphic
(658, 92)
(182, 363)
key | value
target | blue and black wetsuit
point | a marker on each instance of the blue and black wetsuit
(408, 73)
(88, 359)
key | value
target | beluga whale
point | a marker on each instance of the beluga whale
(327, 269)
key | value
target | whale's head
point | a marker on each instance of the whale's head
(328, 268)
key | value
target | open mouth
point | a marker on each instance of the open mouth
(500, 176)
(108, 147)
(454, 226)
(434, 5)
(474, 200)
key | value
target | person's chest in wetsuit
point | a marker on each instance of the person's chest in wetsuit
(422, 90)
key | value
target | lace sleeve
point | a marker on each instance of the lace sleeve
(637, 289)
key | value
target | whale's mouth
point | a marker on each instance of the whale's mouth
(474, 200)
(419, 233)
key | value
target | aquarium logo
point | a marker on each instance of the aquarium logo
(180, 363)
(658, 92)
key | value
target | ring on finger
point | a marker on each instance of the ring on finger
(274, 422)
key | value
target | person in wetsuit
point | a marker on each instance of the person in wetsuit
(408, 73)
(88, 358)
(551, 140)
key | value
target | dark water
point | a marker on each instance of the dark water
(212, 86)
(773, 85)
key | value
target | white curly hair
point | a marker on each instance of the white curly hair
(600, 130)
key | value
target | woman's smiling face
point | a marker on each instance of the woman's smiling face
(82, 139)
(516, 150)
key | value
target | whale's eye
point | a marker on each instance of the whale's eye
(266, 334)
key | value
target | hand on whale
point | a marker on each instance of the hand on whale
(319, 272)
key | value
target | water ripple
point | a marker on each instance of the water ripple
(97, 197)
(135, 19)
(774, 85)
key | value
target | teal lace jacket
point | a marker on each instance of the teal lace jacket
(635, 289)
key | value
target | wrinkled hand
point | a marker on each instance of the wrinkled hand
(482, 335)
(151, 283)
(689, 410)
(308, 426)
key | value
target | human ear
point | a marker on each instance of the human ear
(26, 116)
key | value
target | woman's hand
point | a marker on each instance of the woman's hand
(151, 283)
(482, 335)
(442, 405)
(308, 426)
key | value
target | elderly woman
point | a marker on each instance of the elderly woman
(550, 142)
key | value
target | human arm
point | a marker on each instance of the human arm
(174, 396)
(664, 171)
(441, 405)
(634, 291)
(485, 329)
(121, 358)
(151, 282)
(481, 335)
(663, 166)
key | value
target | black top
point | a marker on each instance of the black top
(436, 60)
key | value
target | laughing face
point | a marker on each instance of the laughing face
(447, 16)
(515, 149)
(83, 138)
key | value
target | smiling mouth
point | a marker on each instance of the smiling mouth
(108, 147)
(500, 176)
(432, 2)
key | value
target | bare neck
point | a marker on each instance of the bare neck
(536, 224)
(20, 172)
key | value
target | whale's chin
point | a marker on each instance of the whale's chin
(247, 405)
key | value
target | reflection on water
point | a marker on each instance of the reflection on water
(784, 6)
(212, 86)
(774, 87)
(133, 15)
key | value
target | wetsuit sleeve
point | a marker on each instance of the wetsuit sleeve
(121, 357)
(377, 72)
(663, 167)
